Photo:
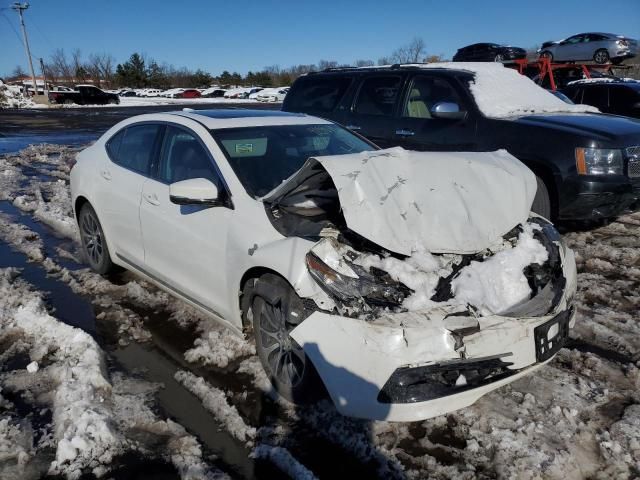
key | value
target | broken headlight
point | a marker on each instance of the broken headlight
(355, 283)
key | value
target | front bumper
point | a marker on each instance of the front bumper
(589, 197)
(359, 361)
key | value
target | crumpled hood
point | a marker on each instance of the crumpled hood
(442, 201)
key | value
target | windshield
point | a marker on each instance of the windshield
(263, 157)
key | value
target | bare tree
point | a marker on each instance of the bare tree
(18, 72)
(79, 71)
(60, 66)
(363, 63)
(434, 58)
(413, 52)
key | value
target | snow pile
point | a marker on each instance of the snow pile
(216, 402)
(22, 239)
(492, 286)
(15, 446)
(502, 92)
(498, 282)
(81, 412)
(219, 347)
(283, 459)
(12, 98)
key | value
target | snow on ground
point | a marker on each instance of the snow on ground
(577, 417)
(10, 98)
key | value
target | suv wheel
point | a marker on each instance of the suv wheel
(94, 244)
(499, 58)
(601, 56)
(275, 310)
(542, 202)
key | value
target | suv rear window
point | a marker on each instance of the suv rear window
(317, 93)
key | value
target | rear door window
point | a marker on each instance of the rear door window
(317, 93)
(378, 96)
(133, 148)
(623, 98)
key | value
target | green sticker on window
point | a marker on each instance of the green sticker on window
(244, 147)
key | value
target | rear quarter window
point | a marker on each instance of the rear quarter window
(133, 147)
(317, 93)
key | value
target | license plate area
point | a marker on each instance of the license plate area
(551, 336)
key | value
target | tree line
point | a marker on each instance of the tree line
(139, 71)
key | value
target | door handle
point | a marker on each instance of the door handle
(152, 198)
(354, 127)
(405, 133)
(106, 174)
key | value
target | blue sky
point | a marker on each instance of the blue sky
(248, 35)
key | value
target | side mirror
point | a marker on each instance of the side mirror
(448, 110)
(195, 191)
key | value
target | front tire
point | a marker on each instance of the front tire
(601, 56)
(94, 244)
(275, 310)
(542, 201)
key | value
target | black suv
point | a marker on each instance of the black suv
(587, 165)
(609, 96)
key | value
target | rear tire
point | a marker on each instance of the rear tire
(290, 371)
(94, 243)
(542, 202)
(499, 58)
(601, 56)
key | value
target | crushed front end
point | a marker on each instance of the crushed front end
(415, 337)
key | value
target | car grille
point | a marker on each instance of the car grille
(634, 161)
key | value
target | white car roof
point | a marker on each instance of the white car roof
(232, 118)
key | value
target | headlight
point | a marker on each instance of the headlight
(349, 289)
(599, 161)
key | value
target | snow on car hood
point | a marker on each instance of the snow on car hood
(406, 201)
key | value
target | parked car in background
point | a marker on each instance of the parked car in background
(243, 92)
(189, 93)
(272, 95)
(128, 93)
(488, 52)
(152, 92)
(213, 92)
(599, 47)
(173, 93)
(256, 219)
(615, 96)
(587, 164)
(60, 88)
(84, 95)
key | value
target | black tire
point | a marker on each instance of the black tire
(112, 101)
(93, 242)
(601, 56)
(268, 303)
(547, 54)
(499, 58)
(542, 202)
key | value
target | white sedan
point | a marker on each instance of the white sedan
(272, 94)
(397, 282)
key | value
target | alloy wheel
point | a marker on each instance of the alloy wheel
(92, 238)
(286, 359)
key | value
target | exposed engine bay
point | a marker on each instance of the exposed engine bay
(364, 279)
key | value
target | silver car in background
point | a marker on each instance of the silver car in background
(599, 47)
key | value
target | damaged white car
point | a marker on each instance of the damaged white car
(403, 284)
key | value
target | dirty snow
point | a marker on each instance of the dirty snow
(12, 98)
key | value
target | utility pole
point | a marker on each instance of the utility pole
(44, 79)
(18, 7)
